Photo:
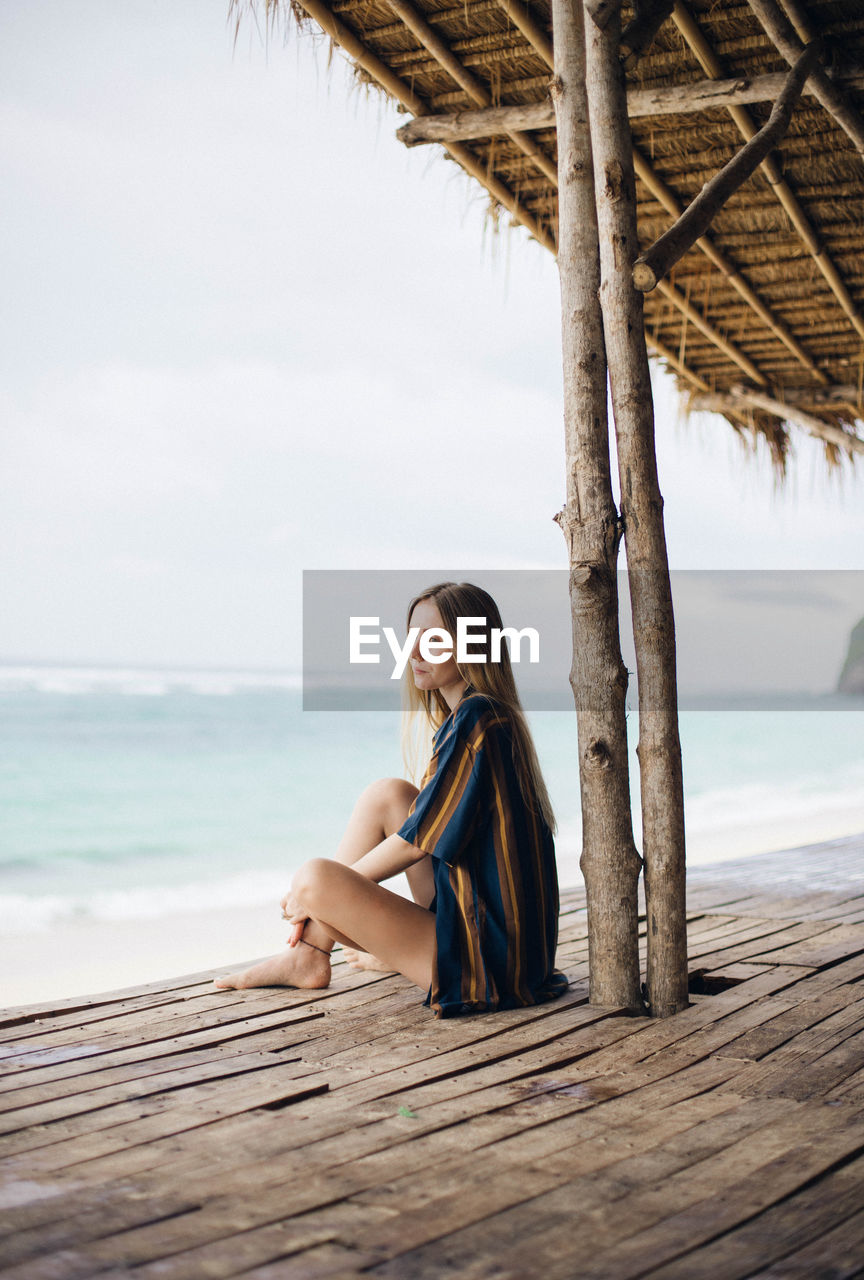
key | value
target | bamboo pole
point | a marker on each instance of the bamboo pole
(658, 188)
(639, 34)
(659, 749)
(403, 93)
(669, 200)
(419, 27)
(826, 91)
(694, 317)
(711, 65)
(666, 100)
(610, 862)
(657, 262)
(744, 398)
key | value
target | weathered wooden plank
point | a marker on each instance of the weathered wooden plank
(44, 1063)
(781, 935)
(74, 1140)
(42, 1112)
(792, 1234)
(307, 1185)
(633, 1217)
(129, 1123)
(500, 1103)
(504, 1176)
(793, 1060)
(267, 1158)
(836, 1254)
(818, 950)
(285, 1031)
(762, 1040)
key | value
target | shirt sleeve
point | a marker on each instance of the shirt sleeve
(451, 802)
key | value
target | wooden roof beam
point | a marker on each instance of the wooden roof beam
(658, 260)
(694, 317)
(670, 100)
(841, 394)
(402, 92)
(711, 65)
(664, 195)
(831, 97)
(741, 398)
(522, 18)
(420, 29)
(424, 33)
(665, 353)
(662, 192)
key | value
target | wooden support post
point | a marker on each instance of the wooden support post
(659, 747)
(610, 861)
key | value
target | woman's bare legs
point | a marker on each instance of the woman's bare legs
(390, 799)
(379, 812)
(344, 906)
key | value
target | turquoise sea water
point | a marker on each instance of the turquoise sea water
(128, 794)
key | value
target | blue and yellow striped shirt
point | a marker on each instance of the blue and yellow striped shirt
(496, 885)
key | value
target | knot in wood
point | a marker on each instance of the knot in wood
(581, 575)
(614, 184)
(556, 88)
(598, 755)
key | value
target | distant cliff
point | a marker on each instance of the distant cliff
(852, 676)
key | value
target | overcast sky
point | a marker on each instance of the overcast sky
(245, 332)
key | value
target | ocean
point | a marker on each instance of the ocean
(129, 794)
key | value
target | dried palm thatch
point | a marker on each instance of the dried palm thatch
(763, 319)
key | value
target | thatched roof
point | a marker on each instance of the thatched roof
(764, 319)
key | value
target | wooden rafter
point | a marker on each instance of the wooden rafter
(438, 49)
(402, 92)
(695, 317)
(668, 100)
(711, 65)
(522, 17)
(742, 398)
(431, 41)
(826, 91)
(659, 189)
(658, 260)
(665, 196)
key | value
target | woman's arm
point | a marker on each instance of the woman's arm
(388, 858)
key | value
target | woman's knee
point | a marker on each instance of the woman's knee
(309, 884)
(390, 799)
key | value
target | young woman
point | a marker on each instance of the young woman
(475, 841)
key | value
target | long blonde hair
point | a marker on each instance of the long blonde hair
(425, 709)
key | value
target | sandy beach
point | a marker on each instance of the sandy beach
(91, 956)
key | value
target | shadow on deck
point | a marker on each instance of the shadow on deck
(187, 1133)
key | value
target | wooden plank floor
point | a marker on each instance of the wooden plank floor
(176, 1131)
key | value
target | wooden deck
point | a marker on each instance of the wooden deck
(181, 1132)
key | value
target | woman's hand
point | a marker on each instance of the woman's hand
(297, 918)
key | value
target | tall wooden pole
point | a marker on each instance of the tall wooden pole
(610, 862)
(659, 747)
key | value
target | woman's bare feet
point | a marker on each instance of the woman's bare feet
(301, 966)
(363, 960)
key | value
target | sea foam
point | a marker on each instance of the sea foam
(141, 682)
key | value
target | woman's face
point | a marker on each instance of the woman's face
(433, 675)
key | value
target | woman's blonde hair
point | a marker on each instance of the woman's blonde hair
(425, 709)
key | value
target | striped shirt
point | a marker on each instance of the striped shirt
(496, 885)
